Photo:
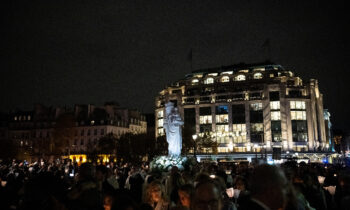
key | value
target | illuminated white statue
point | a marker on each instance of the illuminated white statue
(172, 127)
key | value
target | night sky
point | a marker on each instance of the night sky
(77, 52)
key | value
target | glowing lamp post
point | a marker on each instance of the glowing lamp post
(256, 152)
(265, 152)
(194, 137)
(230, 146)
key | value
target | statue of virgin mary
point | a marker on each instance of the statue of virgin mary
(172, 125)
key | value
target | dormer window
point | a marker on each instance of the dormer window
(195, 81)
(240, 77)
(213, 74)
(225, 79)
(259, 69)
(209, 81)
(227, 72)
(198, 75)
(258, 76)
(244, 70)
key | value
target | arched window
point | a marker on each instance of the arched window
(209, 81)
(225, 79)
(240, 77)
(258, 76)
(195, 81)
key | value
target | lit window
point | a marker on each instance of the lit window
(259, 69)
(160, 114)
(271, 75)
(276, 115)
(227, 72)
(213, 74)
(225, 79)
(161, 132)
(239, 133)
(297, 105)
(256, 106)
(274, 105)
(160, 122)
(15, 118)
(222, 118)
(92, 122)
(221, 128)
(221, 109)
(206, 119)
(209, 81)
(244, 70)
(298, 115)
(28, 117)
(257, 127)
(258, 76)
(195, 81)
(240, 77)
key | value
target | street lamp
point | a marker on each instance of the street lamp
(194, 137)
(256, 152)
(230, 146)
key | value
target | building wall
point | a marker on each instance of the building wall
(301, 126)
(34, 130)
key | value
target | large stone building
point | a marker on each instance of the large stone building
(33, 131)
(247, 108)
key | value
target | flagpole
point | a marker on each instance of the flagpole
(191, 59)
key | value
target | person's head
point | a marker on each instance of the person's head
(154, 192)
(201, 177)
(174, 170)
(185, 192)
(86, 172)
(101, 172)
(124, 202)
(108, 201)
(270, 186)
(241, 183)
(207, 195)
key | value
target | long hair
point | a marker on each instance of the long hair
(147, 198)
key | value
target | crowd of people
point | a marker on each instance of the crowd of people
(62, 184)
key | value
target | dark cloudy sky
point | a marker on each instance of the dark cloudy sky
(67, 52)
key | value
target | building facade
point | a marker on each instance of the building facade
(34, 131)
(247, 108)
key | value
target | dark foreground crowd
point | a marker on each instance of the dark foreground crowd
(63, 185)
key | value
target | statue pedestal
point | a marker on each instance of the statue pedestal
(165, 163)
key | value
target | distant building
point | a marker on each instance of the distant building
(247, 108)
(32, 131)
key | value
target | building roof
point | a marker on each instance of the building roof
(235, 67)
